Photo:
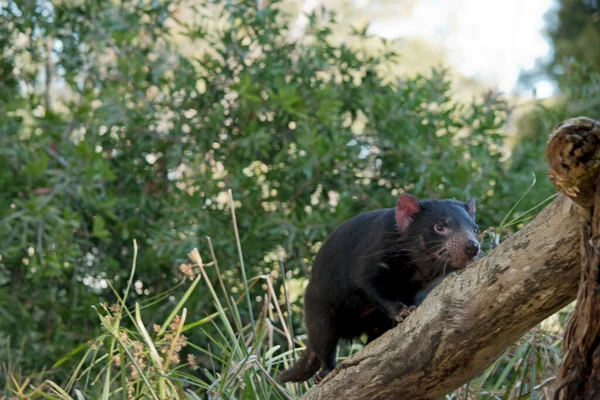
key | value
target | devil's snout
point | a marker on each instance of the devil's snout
(472, 248)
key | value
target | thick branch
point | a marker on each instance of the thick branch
(471, 318)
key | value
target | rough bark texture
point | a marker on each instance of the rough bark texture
(471, 318)
(574, 158)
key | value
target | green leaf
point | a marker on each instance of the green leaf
(99, 229)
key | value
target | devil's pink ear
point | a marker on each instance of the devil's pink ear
(408, 206)
(471, 207)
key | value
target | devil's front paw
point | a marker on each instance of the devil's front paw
(404, 312)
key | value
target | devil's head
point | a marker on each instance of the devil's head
(442, 233)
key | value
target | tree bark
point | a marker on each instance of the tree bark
(573, 155)
(471, 318)
(574, 158)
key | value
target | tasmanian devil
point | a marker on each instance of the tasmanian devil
(375, 268)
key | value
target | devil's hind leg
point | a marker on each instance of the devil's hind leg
(322, 335)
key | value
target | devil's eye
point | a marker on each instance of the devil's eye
(439, 227)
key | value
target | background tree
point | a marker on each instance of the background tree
(575, 25)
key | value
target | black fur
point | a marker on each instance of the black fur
(369, 271)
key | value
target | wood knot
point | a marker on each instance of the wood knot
(573, 154)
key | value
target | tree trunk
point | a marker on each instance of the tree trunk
(471, 318)
(574, 157)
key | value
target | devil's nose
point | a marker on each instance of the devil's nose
(472, 248)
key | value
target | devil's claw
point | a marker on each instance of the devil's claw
(321, 375)
(403, 313)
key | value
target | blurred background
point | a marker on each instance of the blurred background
(125, 120)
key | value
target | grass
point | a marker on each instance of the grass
(133, 360)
